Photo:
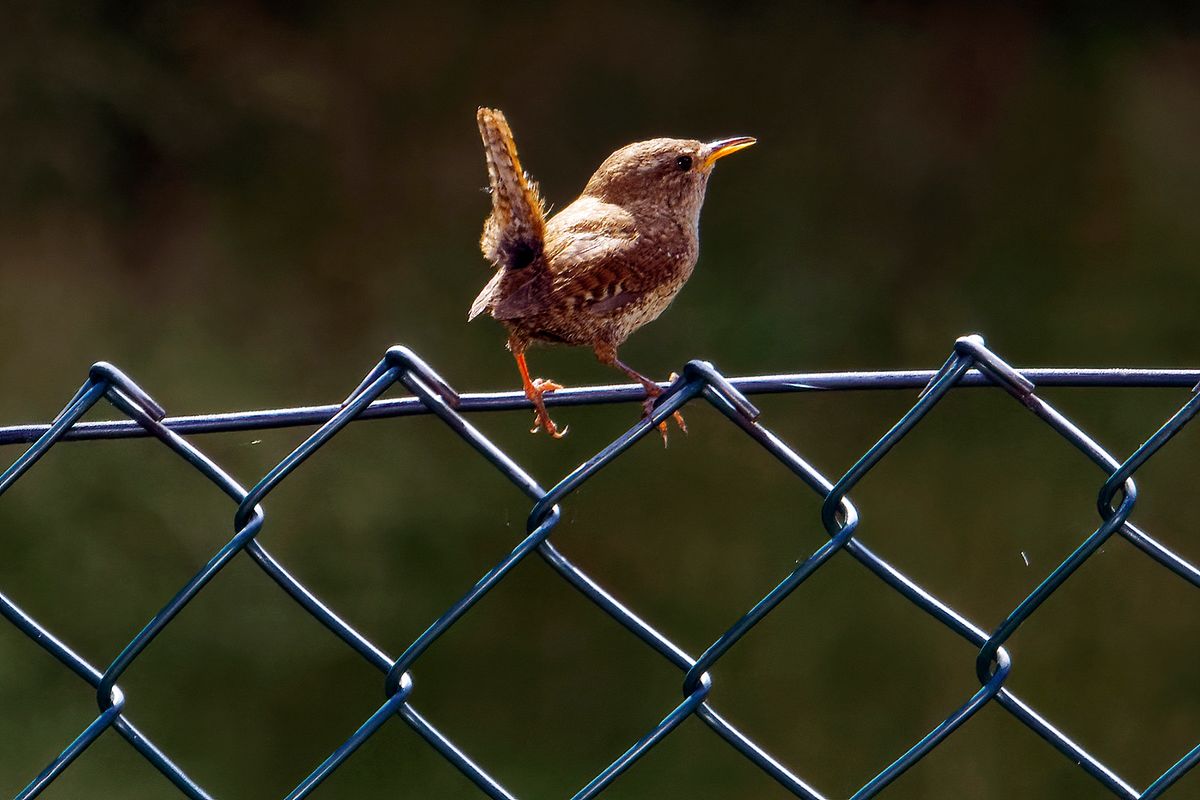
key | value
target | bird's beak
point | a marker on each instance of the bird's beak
(723, 147)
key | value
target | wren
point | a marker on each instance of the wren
(603, 266)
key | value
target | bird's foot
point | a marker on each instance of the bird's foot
(541, 418)
(652, 393)
(542, 421)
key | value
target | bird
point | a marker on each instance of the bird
(601, 267)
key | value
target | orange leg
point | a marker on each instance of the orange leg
(534, 389)
(653, 390)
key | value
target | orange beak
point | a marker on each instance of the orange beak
(723, 147)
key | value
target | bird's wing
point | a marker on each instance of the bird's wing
(583, 244)
(484, 299)
(593, 261)
(514, 234)
(524, 294)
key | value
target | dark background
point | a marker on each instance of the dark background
(244, 205)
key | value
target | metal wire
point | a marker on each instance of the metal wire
(971, 363)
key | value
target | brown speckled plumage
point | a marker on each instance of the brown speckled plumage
(603, 266)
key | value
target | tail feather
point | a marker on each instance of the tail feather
(514, 234)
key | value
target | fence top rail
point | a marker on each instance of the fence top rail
(300, 416)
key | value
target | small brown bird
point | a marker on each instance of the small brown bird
(600, 268)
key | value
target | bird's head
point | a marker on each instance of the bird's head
(667, 176)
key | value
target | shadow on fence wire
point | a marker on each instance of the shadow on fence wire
(970, 363)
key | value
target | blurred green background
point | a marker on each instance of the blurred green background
(243, 205)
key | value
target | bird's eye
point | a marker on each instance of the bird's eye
(684, 163)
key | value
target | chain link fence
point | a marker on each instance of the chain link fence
(971, 363)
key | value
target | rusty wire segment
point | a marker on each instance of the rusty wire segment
(971, 363)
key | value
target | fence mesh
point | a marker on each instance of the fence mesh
(970, 363)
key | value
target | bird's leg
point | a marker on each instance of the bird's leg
(653, 390)
(608, 355)
(534, 389)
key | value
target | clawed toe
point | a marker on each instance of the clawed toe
(541, 418)
(648, 409)
(534, 389)
(543, 422)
